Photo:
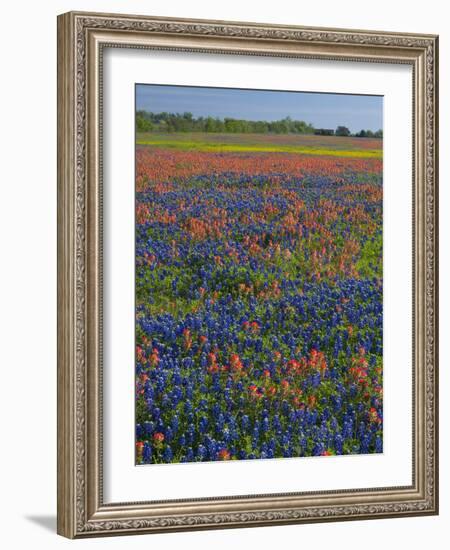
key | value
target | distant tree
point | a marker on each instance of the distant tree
(210, 125)
(231, 125)
(260, 127)
(220, 126)
(369, 134)
(324, 132)
(342, 131)
(143, 124)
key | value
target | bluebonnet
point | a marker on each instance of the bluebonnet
(212, 286)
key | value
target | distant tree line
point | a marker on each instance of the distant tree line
(370, 134)
(345, 132)
(175, 122)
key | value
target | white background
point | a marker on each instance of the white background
(123, 482)
(28, 274)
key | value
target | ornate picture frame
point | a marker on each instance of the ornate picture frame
(82, 38)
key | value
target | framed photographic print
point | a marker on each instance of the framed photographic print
(247, 274)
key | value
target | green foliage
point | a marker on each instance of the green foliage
(143, 124)
(370, 261)
(175, 122)
(342, 131)
(369, 134)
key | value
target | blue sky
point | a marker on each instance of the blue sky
(321, 110)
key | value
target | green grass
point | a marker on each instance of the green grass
(369, 264)
(265, 143)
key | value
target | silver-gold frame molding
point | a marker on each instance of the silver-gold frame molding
(81, 39)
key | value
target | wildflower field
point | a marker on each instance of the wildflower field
(258, 297)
